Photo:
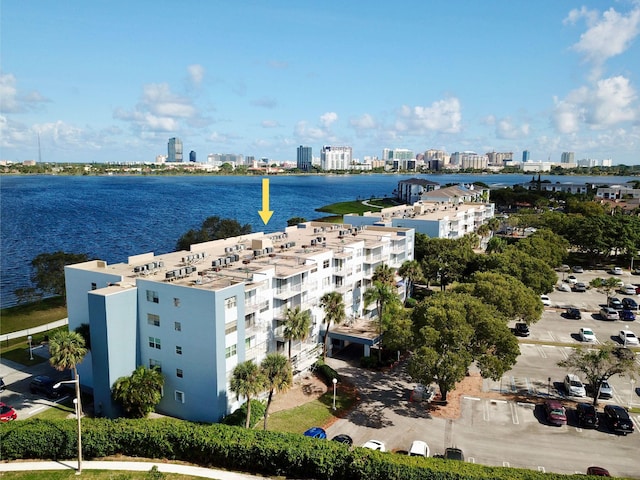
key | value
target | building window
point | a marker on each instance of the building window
(250, 342)
(179, 372)
(153, 319)
(154, 342)
(152, 296)
(179, 396)
(178, 350)
(176, 302)
(93, 286)
(325, 264)
(326, 281)
(177, 326)
(230, 303)
(249, 321)
(230, 351)
(155, 364)
(231, 327)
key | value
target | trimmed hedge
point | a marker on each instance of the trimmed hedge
(233, 448)
(326, 373)
(239, 417)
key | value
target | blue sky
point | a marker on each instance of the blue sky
(114, 80)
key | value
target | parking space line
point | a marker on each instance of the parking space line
(514, 413)
(472, 459)
(514, 388)
(541, 469)
(505, 464)
(564, 353)
(541, 352)
(553, 339)
(485, 411)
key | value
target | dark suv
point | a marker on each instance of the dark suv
(587, 415)
(44, 385)
(521, 329)
(618, 419)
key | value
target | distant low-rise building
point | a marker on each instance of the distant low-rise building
(409, 191)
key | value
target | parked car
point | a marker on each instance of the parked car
(315, 432)
(608, 313)
(573, 313)
(577, 269)
(419, 449)
(43, 384)
(587, 335)
(572, 280)
(521, 329)
(598, 472)
(587, 415)
(453, 454)
(546, 301)
(375, 445)
(628, 290)
(564, 287)
(615, 303)
(606, 391)
(580, 287)
(618, 419)
(616, 271)
(3, 387)
(629, 304)
(556, 414)
(627, 337)
(7, 413)
(627, 315)
(573, 386)
(344, 439)
(624, 353)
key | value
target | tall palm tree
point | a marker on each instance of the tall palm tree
(411, 271)
(247, 381)
(140, 392)
(278, 377)
(296, 325)
(381, 294)
(334, 311)
(384, 274)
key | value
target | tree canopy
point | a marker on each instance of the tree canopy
(140, 392)
(48, 271)
(213, 228)
(334, 311)
(278, 377)
(247, 380)
(443, 259)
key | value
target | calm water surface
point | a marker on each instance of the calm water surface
(112, 217)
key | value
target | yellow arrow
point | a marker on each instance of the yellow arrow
(265, 213)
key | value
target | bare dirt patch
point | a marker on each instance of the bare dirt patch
(303, 391)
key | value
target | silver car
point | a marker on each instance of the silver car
(606, 391)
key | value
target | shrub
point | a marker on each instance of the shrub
(239, 417)
(326, 373)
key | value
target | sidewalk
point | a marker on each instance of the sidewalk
(128, 466)
(30, 331)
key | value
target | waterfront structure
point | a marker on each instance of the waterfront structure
(304, 159)
(499, 158)
(409, 191)
(174, 150)
(567, 157)
(450, 212)
(335, 158)
(557, 187)
(469, 160)
(399, 158)
(617, 192)
(197, 314)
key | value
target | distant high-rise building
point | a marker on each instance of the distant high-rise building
(525, 156)
(192, 156)
(567, 157)
(335, 158)
(400, 158)
(304, 158)
(498, 158)
(174, 150)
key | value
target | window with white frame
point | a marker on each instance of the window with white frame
(230, 302)
(179, 396)
(325, 264)
(152, 296)
(179, 373)
(231, 327)
(154, 342)
(153, 319)
(155, 364)
(177, 326)
(231, 351)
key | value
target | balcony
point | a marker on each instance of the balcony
(286, 292)
(256, 305)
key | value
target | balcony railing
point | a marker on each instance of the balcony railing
(289, 291)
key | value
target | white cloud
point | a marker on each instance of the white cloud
(13, 101)
(441, 116)
(327, 119)
(270, 124)
(158, 99)
(507, 129)
(363, 123)
(196, 74)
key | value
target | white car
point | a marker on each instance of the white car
(564, 287)
(375, 445)
(608, 313)
(573, 386)
(546, 301)
(419, 449)
(628, 290)
(572, 279)
(587, 335)
(627, 337)
(616, 271)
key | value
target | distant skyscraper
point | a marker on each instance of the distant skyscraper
(567, 157)
(192, 156)
(525, 156)
(335, 158)
(174, 150)
(304, 159)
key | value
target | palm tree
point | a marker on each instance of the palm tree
(381, 294)
(247, 381)
(278, 377)
(333, 306)
(139, 393)
(410, 271)
(296, 325)
(384, 273)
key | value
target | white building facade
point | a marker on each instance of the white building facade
(335, 158)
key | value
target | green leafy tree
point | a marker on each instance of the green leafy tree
(247, 381)
(545, 245)
(67, 350)
(443, 259)
(605, 286)
(451, 332)
(411, 272)
(48, 271)
(383, 273)
(296, 325)
(382, 294)
(398, 334)
(600, 364)
(213, 228)
(496, 245)
(140, 392)
(278, 377)
(334, 311)
(295, 221)
(533, 272)
(85, 331)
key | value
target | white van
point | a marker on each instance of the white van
(573, 386)
(419, 449)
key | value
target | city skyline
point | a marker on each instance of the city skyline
(262, 79)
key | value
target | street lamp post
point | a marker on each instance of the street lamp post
(78, 404)
(335, 382)
(633, 381)
(30, 339)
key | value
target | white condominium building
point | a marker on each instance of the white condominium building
(197, 314)
(335, 158)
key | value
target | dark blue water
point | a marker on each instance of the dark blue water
(111, 217)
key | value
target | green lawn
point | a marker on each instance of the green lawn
(33, 314)
(93, 475)
(356, 206)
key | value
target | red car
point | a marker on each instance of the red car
(556, 413)
(7, 413)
